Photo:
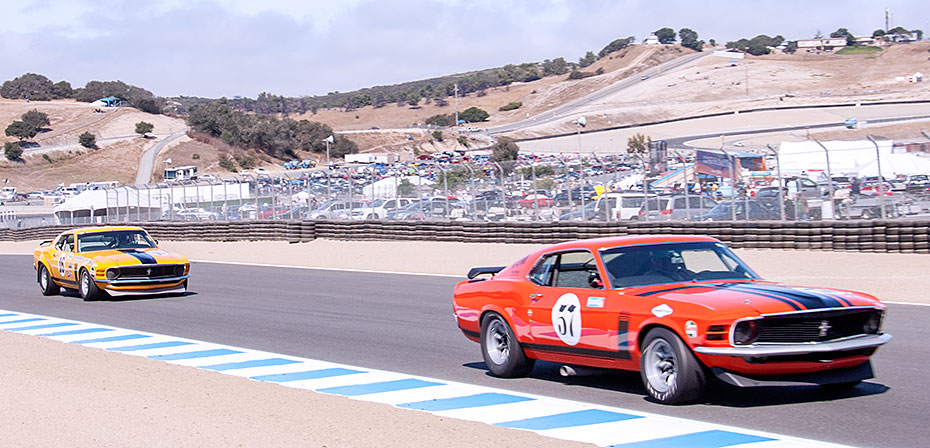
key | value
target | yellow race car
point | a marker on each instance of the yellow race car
(103, 261)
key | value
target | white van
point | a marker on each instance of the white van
(621, 206)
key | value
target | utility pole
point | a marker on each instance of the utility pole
(456, 95)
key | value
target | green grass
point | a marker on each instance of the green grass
(859, 50)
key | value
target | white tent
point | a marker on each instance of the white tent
(144, 202)
(846, 157)
(897, 164)
(387, 187)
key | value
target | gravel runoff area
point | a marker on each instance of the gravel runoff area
(58, 394)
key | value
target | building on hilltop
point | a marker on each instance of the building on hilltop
(822, 44)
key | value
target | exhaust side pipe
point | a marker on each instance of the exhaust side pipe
(567, 370)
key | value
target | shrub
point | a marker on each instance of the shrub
(474, 114)
(511, 106)
(227, 164)
(87, 140)
(440, 120)
(21, 130)
(47, 158)
(195, 156)
(12, 151)
(35, 119)
(437, 135)
(463, 140)
(143, 128)
(505, 149)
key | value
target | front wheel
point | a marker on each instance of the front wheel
(670, 372)
(88, 289)
(48, 287)
(501, 352)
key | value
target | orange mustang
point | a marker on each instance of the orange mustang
(108, 260)
(678, 309)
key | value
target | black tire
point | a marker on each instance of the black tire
(670, 372)
(501, 352)
(46, 285)
(87, 288)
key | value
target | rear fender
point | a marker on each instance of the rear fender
(519, 327)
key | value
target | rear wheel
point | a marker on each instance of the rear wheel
(501, 352)
(48, 287)
(670, 372)
(88, 289)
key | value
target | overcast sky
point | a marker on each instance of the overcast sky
(217, 48)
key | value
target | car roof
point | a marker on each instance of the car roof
(596, 244)
(102, 229)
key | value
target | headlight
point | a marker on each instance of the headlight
(112, 274)
(874, 324)
(179, 270)
(745, 332)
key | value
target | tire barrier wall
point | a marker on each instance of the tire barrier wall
(856, 236)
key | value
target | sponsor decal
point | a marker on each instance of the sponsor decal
(566, 318)
(691, 329)
(662, 311)
(595, 302)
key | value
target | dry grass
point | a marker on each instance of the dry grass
(709, 85)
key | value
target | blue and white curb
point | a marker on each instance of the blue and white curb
(552, 417)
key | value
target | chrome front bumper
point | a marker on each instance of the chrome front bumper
(797, 349)
(143, 281)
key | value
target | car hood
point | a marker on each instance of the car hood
(759, 296)
(134, 256)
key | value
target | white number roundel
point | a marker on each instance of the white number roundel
(566, 319)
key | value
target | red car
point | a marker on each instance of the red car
(541, 200)
(871, 189)
(678, 309)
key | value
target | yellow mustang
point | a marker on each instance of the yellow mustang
(108, 261)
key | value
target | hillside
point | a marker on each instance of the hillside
(58, 158)
(710, 84)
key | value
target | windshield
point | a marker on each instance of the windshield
(114, 239)
(673, 262)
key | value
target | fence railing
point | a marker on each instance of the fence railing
(896, 236)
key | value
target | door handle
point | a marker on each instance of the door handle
(535, 297)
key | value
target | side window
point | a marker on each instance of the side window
(60, 244)
(679, 203)
(542, 273)
(808, 183)
(709, 203)
(69, 243)
(574, 270)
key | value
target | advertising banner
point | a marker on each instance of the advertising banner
(713, 163)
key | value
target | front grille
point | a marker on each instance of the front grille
(146, 272)
(813, 326)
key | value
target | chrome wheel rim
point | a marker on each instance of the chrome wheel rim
(661, 365)
(85, 284)
(497, 342)
(43, 279)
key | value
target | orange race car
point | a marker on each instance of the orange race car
(678, 309)
(108, 261)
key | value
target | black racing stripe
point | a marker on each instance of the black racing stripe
(808, 299)
(473, 334)
(591, 352)
(736, 286)
(141, 256)
(660, 291)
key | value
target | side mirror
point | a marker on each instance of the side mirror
(594, 279)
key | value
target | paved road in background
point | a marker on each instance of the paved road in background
(147, 161)
(404, 323)
(568, 108)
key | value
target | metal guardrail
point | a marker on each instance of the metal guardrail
(900, 236)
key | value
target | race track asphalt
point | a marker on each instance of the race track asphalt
(404, 323)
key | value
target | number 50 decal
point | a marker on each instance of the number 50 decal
(566, 318)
